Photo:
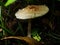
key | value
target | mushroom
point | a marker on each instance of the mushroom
(30, 12)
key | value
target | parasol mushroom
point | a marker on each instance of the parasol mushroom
(30, 12)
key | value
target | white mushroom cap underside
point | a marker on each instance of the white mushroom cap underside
(31, 11)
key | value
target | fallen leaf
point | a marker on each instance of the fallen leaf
(30, 41)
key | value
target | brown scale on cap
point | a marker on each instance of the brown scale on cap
(33, 7)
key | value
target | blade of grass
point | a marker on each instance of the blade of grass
(19, 27)
(2, 24)
(5, 29)
(49, 34)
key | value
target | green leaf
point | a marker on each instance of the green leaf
(35, 34)
(9, 2)
(37, 37)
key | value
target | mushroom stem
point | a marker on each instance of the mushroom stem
(29, 28)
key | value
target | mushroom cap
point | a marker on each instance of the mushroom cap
(31, 11)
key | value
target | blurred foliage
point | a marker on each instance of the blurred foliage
(58, 0)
